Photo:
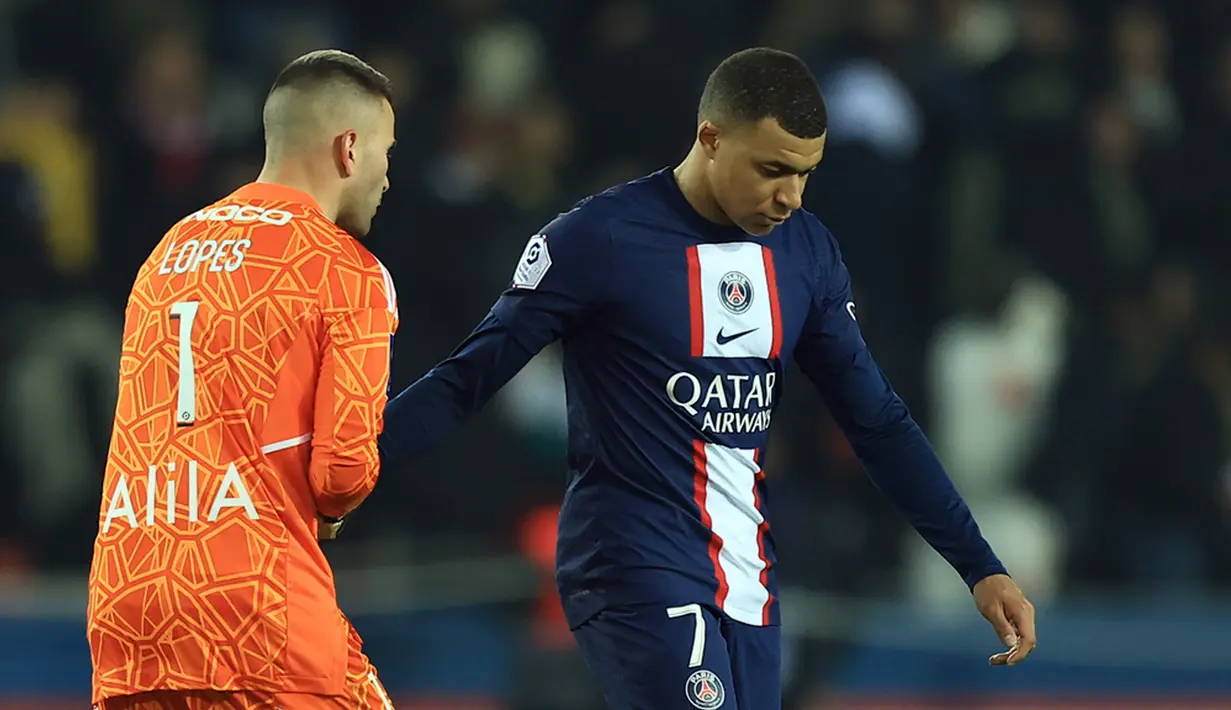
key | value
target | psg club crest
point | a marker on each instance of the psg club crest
(705, 691)
(735, 292)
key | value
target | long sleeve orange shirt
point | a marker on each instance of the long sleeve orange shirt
(253, 380)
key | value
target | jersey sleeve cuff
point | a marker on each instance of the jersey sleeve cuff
(982, 572)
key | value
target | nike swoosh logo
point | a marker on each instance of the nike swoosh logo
(724, 339)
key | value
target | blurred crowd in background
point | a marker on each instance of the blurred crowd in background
(1033, 197)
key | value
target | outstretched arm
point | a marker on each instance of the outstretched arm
(557, 283)
(439, 402)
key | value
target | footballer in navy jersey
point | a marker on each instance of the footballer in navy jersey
(681, 298)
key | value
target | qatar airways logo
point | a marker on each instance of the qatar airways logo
(727, 404)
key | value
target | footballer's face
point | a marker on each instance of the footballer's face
(757, 172)
(369, 163)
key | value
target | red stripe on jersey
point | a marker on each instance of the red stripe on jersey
(701, 477)
(762, 529)
(696, 314)
(775, 314)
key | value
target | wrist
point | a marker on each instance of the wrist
(979, 574)
(328, 527)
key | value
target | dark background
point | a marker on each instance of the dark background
(1032, 197)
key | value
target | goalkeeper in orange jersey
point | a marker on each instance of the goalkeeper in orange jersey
(253, 379)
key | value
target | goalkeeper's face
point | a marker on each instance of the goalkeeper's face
(369, 178)
(758, 172)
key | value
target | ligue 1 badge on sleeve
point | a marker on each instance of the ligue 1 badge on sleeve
(535, 261)
(705, 691)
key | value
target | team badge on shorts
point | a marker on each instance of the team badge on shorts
(704, 690)
(735, 292)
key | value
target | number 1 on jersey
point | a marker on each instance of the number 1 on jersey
(186, 401)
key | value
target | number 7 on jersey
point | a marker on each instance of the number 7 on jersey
(186, 401)
(698, 630)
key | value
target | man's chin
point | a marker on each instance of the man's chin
(758, 228)
(760, 224)
(358, 231)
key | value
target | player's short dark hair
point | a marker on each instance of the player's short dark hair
(328, 66)
(759, 83)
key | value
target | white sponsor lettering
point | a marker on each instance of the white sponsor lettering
(736, 422)
(728, 404)
(227, 255)
(242, 214)
(232, 493)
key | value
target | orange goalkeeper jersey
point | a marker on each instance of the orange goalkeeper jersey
(253, 381)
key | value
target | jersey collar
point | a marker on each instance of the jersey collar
(276, 193)
(707, 230)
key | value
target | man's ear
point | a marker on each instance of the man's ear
(344, 153)
(708, 136)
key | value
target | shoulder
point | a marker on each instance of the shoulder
(811, 228)
(356, 278)
(599, 213)
(817, 237)
(587, 220)
(580, 240)
(575, 239)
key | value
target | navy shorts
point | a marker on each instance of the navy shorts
(690, 657)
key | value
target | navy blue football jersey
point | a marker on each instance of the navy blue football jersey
(676, 336)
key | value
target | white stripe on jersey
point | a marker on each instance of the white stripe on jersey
(737, 307)
(730, 507)
(390, 292)
(286, 443)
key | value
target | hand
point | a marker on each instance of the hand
(1002, 603)
(328, 528)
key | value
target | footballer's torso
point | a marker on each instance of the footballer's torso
(707, 327)
(672, 390)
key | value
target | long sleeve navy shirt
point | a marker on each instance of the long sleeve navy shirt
(676, 336)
